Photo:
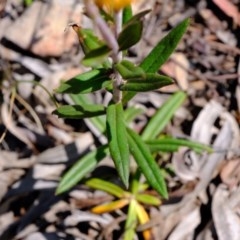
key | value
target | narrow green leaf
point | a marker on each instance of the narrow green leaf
(127, 96)
(162, 51)
(169, 144)
(128, 70)
(151, 78)
(81, 168)
(100, 121)
(28, 2)
(96, 56)
(139, 16)
(146, 162)
(130, 35)
(148, 199)
(162, 147)
(142, 87)
(132, 112)
(131, 221)
(151, 81)
(136, 185)
(86, 82)
(79, 112)
(87, 39)
(92, 46)
(117, 136)
(108, 187)
(162, 117)
(127, 14)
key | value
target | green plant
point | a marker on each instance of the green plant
(136, 199)
(110, 70)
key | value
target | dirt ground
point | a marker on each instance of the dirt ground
(37, 46)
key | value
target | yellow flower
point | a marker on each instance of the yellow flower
(113, 5)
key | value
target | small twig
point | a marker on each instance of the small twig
(43, 87)
(31, 111)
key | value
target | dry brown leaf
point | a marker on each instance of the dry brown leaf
(7, 178)
(60, 206)
(48, 172)
(188, 164)
(5, 220)
(185, 228)
(84, 216)
(11, 160)
(229, 9)
(181, 70)
(230, 173)
(68, 152)
(177, 68)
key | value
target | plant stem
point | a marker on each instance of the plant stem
(110, 38)
(104, 29)
(117, 94)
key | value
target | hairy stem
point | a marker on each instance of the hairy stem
(110, 38)
(117, 94)
(104, 29)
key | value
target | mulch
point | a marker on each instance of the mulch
(37, 47)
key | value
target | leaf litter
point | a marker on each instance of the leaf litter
(204, 195)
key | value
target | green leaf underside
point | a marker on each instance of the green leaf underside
(143, 87)
(150, 82)
(117, 135)
(96, 56)
(128, 70)
(108, 187)
(79, 112)
(81, 168)
(160, 53)
(138, 17)
(130, 35)
(162, 117)
(146, 162)
(168, 144)
(86, 82)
